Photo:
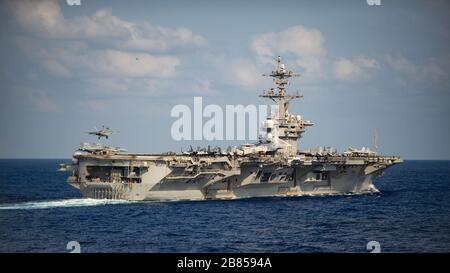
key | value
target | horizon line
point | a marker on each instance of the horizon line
(56, 158)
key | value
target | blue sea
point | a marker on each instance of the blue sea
(40, 212)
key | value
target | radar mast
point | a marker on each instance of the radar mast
(281, 76)
(290, 127)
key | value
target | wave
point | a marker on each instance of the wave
(63, 203)
(84, 202)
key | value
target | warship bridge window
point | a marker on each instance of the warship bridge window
(137, 171)
(321, 175)
(318, 176)
(272, 177)
(265, 177)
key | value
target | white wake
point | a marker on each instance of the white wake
(78, 202)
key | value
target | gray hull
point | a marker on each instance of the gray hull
(156, 179)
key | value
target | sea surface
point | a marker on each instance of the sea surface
(40, 212)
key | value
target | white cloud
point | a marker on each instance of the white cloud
(305, 44)
(436, 70)
(73, 54)
(45, 19)
(160, 39)
(123, 86)
(245, 74)
(100, 63)
(402, 65)
(109, 85)
(433, 69)
(95, 105)
(119, 63)
(202, 87)
(54, 67)
(355, 69)
(37, 99)
(43, 103)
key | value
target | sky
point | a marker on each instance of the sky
(365, 69)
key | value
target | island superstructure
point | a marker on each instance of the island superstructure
(271, 167)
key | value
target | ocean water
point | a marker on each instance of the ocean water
(40, 212)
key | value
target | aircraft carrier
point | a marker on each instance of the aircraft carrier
(271, 167)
